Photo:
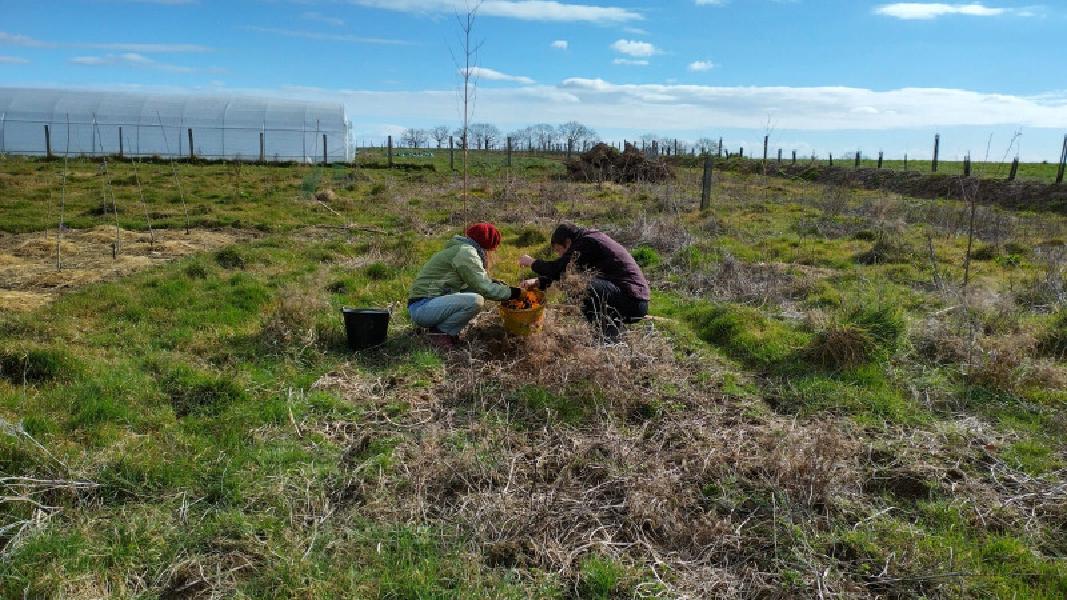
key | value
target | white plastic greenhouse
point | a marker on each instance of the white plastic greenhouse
(77, 122)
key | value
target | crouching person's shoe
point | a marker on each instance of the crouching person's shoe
(442, 341)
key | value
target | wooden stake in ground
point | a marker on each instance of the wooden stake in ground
(174, 168)
(1063, 161)
(705, 188)
(937, 152)
(144, 205)
(62, 203)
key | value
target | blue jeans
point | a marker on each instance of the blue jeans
(447, 314)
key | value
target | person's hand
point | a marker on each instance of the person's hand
(526, 260)
(530, 284)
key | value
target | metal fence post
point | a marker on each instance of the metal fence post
(390, 152)
(47, 141)
(262, 147)
(325, 155)
(191, 153)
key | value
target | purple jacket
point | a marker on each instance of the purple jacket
(595, 251)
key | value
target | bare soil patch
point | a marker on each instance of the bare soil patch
(29, 277)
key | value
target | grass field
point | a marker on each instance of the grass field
(820, 408)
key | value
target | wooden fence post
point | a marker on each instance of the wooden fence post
(905, 162)
(570, 147)
(121, 148)
(47, 141)
(705, 189)
(325, 154)
(967, 165)
(390, 142)
(794, 157)
(1063, 161)
(937, 151)
(191, 153)
(766, 138)
(262, 147)
(779, 156)
(741, 152)
(451, 154)
(831, 159)
(880, 155)
(857, 165)
(1014, 169)
(509, 151)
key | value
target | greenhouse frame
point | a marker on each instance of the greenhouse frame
(67, 122)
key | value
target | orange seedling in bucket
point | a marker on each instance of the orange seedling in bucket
(525, 314)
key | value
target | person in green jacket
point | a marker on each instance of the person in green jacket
(452, 286)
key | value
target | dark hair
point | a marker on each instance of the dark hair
(565, 232)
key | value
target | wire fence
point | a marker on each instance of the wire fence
(173, 139)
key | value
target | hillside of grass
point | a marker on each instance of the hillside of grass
(820, 407)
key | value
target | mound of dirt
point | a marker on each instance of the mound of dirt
(604, 163)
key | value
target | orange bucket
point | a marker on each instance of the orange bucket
(524, 321)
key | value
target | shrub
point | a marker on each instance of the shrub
(887, 249)
(293, 320)
(529, 236)
(378, 272)
(1053, 342)
(196, 270)
(987, 252)
(230, 258)
(646, 257)
(841, 346)
(600, 578)
(861, 335)
(195, 392)
(34, 365)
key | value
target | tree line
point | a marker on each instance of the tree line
(486, 136)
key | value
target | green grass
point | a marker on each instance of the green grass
(210, 447)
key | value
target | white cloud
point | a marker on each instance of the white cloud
(12, 60)
(560, 44)
(913, 11)
(321, 18)
(493, 75)
(634, 48)
(134, 59)
(630, 61)
(14, 39)
(147, 48)
(328, 37)
(701, 65)
(527, 10)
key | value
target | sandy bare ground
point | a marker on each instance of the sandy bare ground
(29, 277)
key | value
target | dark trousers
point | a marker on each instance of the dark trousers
(608, 308)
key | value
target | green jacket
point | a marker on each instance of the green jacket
(457, 268)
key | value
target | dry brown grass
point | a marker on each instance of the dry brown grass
(292, 323)
(630, 457)
(28, 267)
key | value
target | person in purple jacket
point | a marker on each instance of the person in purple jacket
(618, 292)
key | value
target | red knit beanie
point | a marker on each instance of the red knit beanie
(485, 234)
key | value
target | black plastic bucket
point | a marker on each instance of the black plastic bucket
(366, 327)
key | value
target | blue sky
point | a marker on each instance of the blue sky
(818, 75)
